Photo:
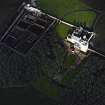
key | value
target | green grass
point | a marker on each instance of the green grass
(69, 60)
(62, 30)
(46, 87)
(67, 9)
(61, 7)
(85, 18)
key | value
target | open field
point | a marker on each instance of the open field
(61, 7)
(62, 30)
(73, 11)
(83, 18)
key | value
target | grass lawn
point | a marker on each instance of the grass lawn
(46, 87)
(67, 9)
(84, 18)
(62, 30)
(61, 7)
(69, 60)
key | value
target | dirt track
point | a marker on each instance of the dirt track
(96, 4)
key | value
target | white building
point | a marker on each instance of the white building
(81, 38)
